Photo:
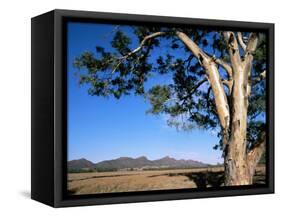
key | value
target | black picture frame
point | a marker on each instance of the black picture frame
(49, 109)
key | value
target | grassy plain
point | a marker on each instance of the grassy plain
(126, 181)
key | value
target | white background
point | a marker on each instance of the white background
(15, 106)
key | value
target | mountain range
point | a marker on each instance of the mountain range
(127, 162)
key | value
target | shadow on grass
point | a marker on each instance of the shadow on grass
(206, 179)
(201, 179)
(259, 178)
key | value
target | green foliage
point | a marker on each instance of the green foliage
(101, 169)
(121, 42)
(84, 170)
(90, 170)
(158, 96)
(254, 128)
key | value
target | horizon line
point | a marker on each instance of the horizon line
(142, 156)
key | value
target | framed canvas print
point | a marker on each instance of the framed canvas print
(133, 108)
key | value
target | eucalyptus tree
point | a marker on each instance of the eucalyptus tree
(217, 82)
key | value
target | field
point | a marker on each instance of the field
(126, 181)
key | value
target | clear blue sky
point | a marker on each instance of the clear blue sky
(101, 129)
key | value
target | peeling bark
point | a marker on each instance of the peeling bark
(254, 155)
(239, 169)
(241, 42)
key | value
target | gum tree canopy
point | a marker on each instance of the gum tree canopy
(217, 82)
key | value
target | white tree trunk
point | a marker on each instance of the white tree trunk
(239, 165)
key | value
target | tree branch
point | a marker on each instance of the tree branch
(228, 83)
(213, 76)
(233, 51)
(224, 64)
(194, 48)
(240, 40)
(145, 39)
(136, 50)
(252, 43)
(195, 87)
(250, 50)
(248, 61)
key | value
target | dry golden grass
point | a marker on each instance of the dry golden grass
(126, 181)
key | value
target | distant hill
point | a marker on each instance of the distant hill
(171, 162)
(80, 164)
(135, 163)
